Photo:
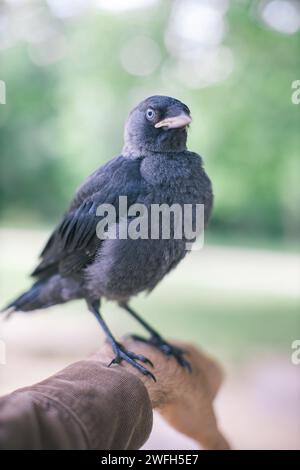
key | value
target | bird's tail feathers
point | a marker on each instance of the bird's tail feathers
(43, 294)
(29, 300)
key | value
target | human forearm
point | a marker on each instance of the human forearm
(84, 406)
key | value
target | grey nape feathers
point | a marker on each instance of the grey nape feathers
(154, 167)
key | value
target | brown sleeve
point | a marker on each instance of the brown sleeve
(85, 406)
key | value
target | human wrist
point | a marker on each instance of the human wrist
(166, 371)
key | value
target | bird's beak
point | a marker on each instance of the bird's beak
(175, 122)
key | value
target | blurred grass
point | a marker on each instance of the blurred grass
(253, 240)
(237, 327)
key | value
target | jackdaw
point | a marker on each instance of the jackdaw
(154, 168)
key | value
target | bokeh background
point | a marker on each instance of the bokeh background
(73, 70)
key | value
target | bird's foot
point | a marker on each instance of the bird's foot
(123, 355)
(170, 350)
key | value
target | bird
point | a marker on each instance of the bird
(154, 167)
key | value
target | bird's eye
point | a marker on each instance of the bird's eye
(150, 114)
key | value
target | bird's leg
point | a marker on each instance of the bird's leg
(156, 340)
(121, 354)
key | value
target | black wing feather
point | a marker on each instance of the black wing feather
(74, 244)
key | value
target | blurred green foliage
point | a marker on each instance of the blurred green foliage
(64, 118)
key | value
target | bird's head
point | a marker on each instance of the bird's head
(157, 124)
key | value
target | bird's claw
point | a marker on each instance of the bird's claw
(123, 355)
(167, 348)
